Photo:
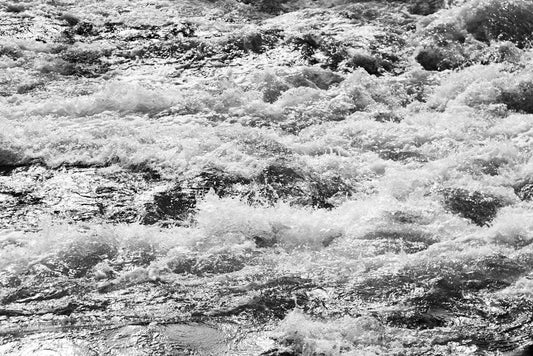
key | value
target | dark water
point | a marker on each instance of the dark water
(274, 178)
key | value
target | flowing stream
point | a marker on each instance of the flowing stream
(276, 177)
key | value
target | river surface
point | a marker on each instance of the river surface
(265, 178)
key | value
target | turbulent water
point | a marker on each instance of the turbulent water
(271, 177)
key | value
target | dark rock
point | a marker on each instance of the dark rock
(524, 190)
(279, 177)
(397, 155)
(213, 178)
(9, 157)
(478, 207)
(279, 181)
(518, 97)
(16, 8)
(325, 188)
(360, 12)
(405, 217)
(13, 312)
(425, 7)
(502, 21)
(330, 239)
(26, 88)
(307, 43)
(430, 59)
(273, 88)
(112, 26)
(13, 52)
(315, 78)
(268, 6)
(171, 204)
(490, 167)
(249, 42)
(524, 351)
(332, 52)
(265, 241)
(253, 41)
(387, 116)
(84, 62)
(79, 257)
(70, 19)
(437, 58)
(148, 172)
(10, 281)
(178, 201)
(368, 62)
(84, 29)
(335, 53)
(185, 29)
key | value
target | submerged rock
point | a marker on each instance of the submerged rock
(120, 114)
(79, 257)
(478, 207)
(425, 7)
(524, 351)
(177, 202)
(518, 97)
(280, 181)
(16, 8)
(369, 63)
(440, 58)
(168, 204)
(508, 20)
(524, 190)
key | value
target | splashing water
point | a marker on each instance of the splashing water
(173, 183)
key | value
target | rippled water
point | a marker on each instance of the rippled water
(175, 183)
